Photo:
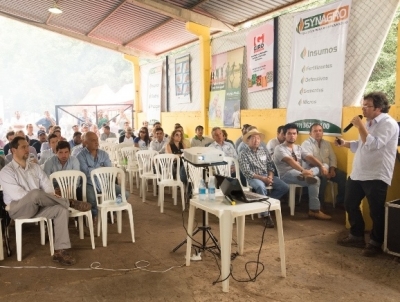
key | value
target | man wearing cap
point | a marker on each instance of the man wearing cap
(107, 133)
(199, 140)
(288, 158)
(76, 140)
(257, 166)
(37, 143)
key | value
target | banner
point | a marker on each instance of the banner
(182, 79)
(226, 82)
(154, 94)
(260, 57)
(317, 69)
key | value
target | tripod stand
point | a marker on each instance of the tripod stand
(204, 228)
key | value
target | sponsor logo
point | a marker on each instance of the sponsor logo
(258, 43)
(332, 16)
(303, 54)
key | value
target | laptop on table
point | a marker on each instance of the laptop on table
(232, 189)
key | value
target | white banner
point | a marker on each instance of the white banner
(317, 67)
(154, 95)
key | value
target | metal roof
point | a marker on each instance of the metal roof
(144, 28)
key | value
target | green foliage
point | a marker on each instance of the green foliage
(40, 69)
(383, 77)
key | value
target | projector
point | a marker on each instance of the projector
(203, 155)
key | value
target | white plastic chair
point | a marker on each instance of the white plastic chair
(292, 196)
(164, 164)
(41, 220)
(68, 181)
(145, 159)
(132, 166)
(106, 200)
(332, 184)
(112, 140)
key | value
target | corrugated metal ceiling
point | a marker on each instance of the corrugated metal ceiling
(138, 27)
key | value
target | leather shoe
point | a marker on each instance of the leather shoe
(371, 250)
(81, 206)
(351, 242)
(62, 257)
(318, 215)
(268, 222)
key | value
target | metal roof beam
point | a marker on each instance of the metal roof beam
(81, 37)
(182, 14)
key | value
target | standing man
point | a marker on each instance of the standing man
(257, 166)
(279, 139)
(373, 165)
(29, 193)
(288, 158)
(199, 140)
(159, 142)
(322, 150)
(46, 121)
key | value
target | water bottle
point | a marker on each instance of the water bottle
(202, 190)
(119, 199)
(2, 153)
(211, 188)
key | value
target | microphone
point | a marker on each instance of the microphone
(350, 125)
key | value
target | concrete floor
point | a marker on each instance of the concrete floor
(317, 268)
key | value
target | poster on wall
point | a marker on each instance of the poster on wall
(182, 79)
(260, 57)
(317, 69)
(154, 94)
(226, 82)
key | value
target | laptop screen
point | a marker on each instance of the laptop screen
(230, 187)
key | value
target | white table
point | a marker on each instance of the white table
(226, 214)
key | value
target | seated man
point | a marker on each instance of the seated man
(288, 159)
(29, 193)
(46, 154)
(37, 143)
(279, 139)
(62, 160)
(76, 140)
(107, 133)
(256, 165)
(159, 142)
(32, 150)
(76, 150)
(322, 150)
(199, 140)
(90, 158)
(240, 138)
(243, 144)
(228, 149)
(128, 136)
(10, 135)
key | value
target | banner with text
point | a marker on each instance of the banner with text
(154, 94)
(260, 57)
(317, 68)
(226, 82)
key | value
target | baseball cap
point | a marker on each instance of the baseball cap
(40, 132)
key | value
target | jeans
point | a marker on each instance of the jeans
(279, 188)
(91, 197)
(313, 189)
(340, 179)
(375, 191)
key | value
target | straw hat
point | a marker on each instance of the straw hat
(253, 132)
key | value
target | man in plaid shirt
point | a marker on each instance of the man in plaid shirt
(257, 166)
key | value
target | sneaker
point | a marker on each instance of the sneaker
(371, 250)
(318, 215)
(308, 179)
(81, 206)
(62, 257)
(351, 242)
(268, 222)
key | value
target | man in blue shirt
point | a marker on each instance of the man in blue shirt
(91, 158)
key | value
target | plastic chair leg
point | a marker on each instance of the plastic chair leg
(42, 233)
(131, 223)
(18, 238)
(50, 233)
(104, 227)
(80, 225)
(119, 221)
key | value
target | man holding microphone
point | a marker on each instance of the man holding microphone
(373, 165)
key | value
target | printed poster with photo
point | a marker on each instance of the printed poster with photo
(260, 57)
(226, 82)
(154, 94)
(182, 79)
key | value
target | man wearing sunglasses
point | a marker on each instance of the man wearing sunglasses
(288, 158)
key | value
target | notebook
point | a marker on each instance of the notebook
(232, 189)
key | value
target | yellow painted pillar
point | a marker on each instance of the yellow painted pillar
(205, 68)
(136, 84)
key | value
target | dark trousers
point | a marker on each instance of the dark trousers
(340, 179)
(375, 192)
